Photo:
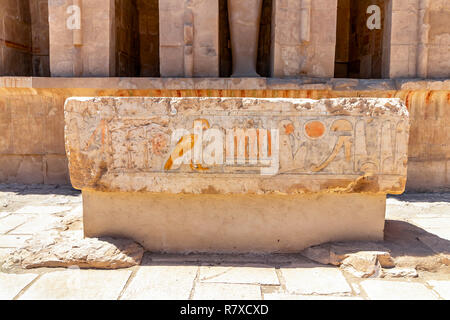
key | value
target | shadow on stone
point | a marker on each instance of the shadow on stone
(421, 197)
(405, 250)
(411, 246)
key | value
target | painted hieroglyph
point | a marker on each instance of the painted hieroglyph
(237, 145)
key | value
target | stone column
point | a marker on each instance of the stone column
(303, 38)
(39, 26)
(419, 45)
(244, 19)
(403, 39)
(82, 47)
(189, 38)
(433, 48)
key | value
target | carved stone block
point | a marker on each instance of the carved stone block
(237, 145)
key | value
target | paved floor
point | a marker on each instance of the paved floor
(27, 210)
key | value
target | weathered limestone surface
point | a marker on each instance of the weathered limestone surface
(236, 145)
(236, 174)
(189, 38)
(65, 250)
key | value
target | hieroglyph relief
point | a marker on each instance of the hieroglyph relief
(269, 144)
(262, 145)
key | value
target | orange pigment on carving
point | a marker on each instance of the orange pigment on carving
(315, 129)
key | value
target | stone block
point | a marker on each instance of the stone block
(397, 290)
(236, 174)
(13, 241)
(247, 274)
(56, 170)
(161, 283)
(442, 287)
(30, 170)
(223, 291)
(74, 284)
(233, 223)
(13, 284)
(21, 169)
(28, 122)
(427, 175)
(189, 38)
(343, 145)
(5, 128)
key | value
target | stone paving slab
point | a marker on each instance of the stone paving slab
(4, 252)
(225, 291)
(443, 233)
(38, 224)
(12, 284)
(13, 241)
(11, 222)
(315, 280)
(286, 296)
(397, 290)
(4, 214)
(437, 226)
(78, 285)
(43, 209)
(161, 283)
(441, 287)
(250, 274)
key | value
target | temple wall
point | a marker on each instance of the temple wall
(184, 52)
(439, 39)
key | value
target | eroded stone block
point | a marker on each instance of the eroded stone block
(236, 174)
(237, 145)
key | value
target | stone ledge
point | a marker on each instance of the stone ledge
(133, 83)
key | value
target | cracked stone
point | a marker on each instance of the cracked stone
(315, 280)
(361, 265)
